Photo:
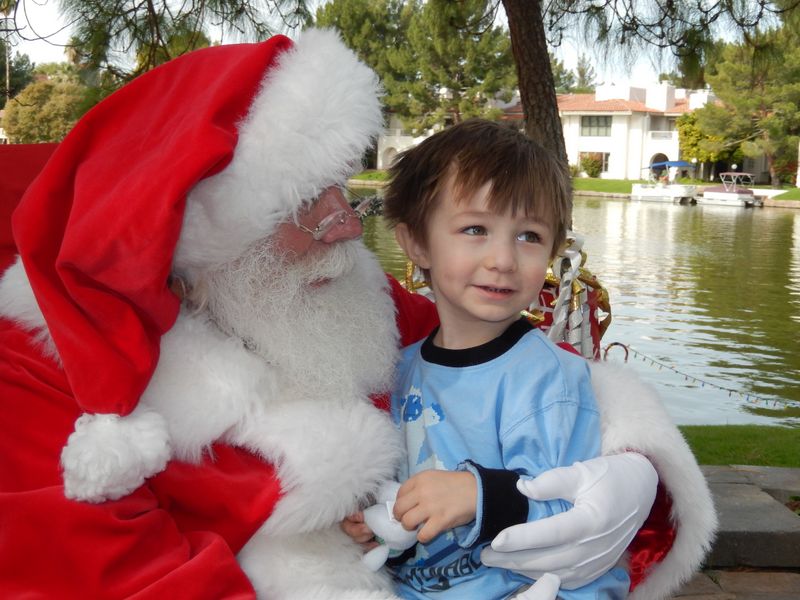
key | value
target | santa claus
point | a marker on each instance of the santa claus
(194, 340)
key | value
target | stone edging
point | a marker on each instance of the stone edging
(767, 201)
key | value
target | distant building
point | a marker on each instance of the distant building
(3, 136)
(627, 128)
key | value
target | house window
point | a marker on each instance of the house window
(595, 126)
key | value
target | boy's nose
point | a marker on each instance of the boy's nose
(501, 256)
(348, 227)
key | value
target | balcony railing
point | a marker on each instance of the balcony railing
(663, 135)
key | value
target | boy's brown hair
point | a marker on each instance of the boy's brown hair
(525, 177)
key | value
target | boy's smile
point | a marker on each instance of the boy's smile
(484, 267)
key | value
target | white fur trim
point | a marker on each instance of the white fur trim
(205, 382)
(108, 456)
(329, 452)
(634, 419)
(18, 304)
(317, 112)
(323, 565)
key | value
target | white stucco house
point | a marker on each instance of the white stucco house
(3, 137)
(628, 128)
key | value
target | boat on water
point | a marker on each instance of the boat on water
(662, 186)
(733, 191)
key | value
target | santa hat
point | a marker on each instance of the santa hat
(247, 133)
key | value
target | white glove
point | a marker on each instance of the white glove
(544, 588)
(612, 497)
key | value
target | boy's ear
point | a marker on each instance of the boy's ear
(413, 249)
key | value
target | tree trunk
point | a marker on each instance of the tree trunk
(536, 86)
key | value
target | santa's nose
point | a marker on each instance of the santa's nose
(346, 224)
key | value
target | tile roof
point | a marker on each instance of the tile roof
(584, 103)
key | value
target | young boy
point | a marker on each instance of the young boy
(482, 209)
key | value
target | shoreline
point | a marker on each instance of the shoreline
(768, 202)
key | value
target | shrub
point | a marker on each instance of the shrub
(591, 164)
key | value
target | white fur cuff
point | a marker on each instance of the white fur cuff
(108, 456)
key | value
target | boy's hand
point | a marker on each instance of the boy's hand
(354, 526)
(439, 499)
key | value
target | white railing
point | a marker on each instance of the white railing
(398, 132)
(663, 135)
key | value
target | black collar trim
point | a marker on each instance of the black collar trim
(468, 357)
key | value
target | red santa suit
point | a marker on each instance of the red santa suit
(83, 323)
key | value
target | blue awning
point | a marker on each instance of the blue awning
(671, 163)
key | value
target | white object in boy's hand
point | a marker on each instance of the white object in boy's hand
(390, 534)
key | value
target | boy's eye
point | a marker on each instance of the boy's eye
(474, 230)
(530, 237)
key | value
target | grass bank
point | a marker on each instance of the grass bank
(793, 194)
(372, 175)
(607, 186)
(758, 445)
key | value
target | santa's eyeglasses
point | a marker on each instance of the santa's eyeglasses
(337, 218)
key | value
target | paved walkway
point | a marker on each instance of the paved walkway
(757, 552)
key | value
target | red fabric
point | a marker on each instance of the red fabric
(98, 227)
(173, 538)
(19, 164)
(654, 540)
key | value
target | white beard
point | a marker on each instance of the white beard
(330, 345)
(336, 336)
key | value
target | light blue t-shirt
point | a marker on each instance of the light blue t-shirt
(517, 403)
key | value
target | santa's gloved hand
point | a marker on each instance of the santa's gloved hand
(544, 588)
(612, 497)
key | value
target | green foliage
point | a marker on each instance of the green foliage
(744, 445)
(180, 41)
(20, 73)
(696, 143)
(440, 62)
(107, 32)
(377, 31)
(759, 86)
(591, 163)
(462, 63)
(45, 111)
(563, 78)
(579, 81)
(584, 75)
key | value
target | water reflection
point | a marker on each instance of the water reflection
(712, 292)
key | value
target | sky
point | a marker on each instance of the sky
(43, 19)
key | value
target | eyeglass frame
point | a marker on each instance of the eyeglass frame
(338, 217)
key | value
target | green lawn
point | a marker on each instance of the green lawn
(372, 175)
(792, 194)
(744, 445)
(609, 186)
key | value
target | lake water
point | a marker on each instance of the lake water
(707, 298)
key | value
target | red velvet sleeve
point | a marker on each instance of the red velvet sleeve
(176, 537)
(416, 315)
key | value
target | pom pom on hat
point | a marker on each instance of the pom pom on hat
(247, 132)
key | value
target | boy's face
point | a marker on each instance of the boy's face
(484, 267)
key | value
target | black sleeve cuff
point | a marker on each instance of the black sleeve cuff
(503, 504)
